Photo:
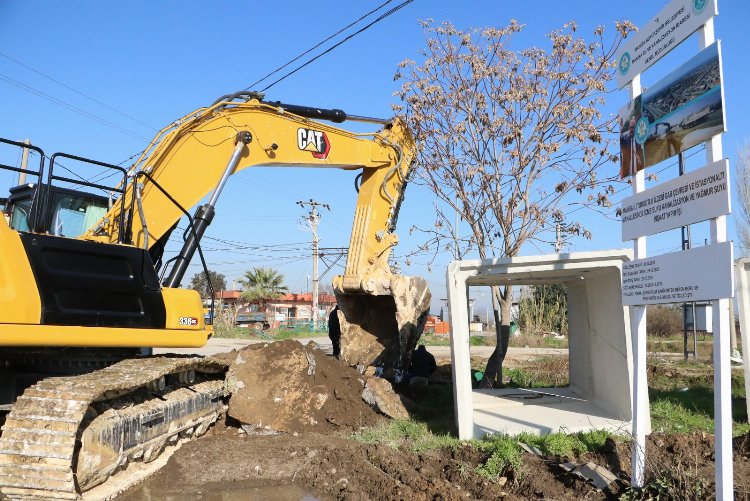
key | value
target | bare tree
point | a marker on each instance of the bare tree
(511, 139)
(742, 180)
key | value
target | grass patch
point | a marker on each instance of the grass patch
(547, 372)
(440, 340)
(434, 408)
(682, 398)
(416, 435)
(567, 445)
(236, 333)
(296, 333)
(692, 409)
(267, 335)
(533, 340)
(504, 455)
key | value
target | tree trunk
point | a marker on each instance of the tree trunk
(501, 304)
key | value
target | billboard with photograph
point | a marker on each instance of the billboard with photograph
(682, 110)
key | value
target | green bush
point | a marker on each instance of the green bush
(505, 456)
(546, 310)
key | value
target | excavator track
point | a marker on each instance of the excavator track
(43, 450)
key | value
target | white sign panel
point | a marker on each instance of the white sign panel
(699, 274)
(677, 21)
(698, 196)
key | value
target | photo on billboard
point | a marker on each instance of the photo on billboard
(632, 157)
(682, 110)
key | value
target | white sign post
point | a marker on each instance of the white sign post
(657, 211)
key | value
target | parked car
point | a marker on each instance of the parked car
(254, 320)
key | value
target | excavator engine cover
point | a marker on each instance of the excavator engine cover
(383, 330)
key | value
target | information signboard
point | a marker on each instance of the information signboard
(677, 21)
(699, 274)
(698, 196)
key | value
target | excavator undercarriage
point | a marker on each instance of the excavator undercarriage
(66, 435)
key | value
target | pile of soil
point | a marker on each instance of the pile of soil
(288, 387)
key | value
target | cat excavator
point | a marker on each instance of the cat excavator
(85, 286)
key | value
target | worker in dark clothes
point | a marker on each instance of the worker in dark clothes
(422, 365)
(334, 331)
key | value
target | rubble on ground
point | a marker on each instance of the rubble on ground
(379, 394)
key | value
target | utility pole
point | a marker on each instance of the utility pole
(24, 164)
(559, 240)
(311, 222)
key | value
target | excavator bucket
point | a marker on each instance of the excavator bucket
(383, 330)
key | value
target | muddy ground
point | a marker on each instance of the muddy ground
(318, 458)
(230, 465)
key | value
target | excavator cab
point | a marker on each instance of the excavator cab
(72, 212)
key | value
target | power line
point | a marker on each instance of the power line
(78, 92)
(317, 45)
(380, 18)
(70, 107)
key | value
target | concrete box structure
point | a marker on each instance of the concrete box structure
(600, 394)
(742, 286)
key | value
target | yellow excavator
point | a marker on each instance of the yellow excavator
(84, 286)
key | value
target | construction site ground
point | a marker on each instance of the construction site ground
(320, 456)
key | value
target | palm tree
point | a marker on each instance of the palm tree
(262, 284)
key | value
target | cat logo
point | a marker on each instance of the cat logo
(314, 141)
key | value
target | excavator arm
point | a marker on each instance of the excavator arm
(189, 159)
(196, 155)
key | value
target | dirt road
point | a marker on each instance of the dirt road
(221, 345)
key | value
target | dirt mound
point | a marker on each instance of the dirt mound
(288, 387)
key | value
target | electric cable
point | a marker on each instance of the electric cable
(70, 107)
(366, 27)
(315, 46)
(78, 92)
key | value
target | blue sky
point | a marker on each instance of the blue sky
(153, 62)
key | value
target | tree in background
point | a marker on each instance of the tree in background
(510, 139)
(742, 180)
(200, 283)
(262, 284)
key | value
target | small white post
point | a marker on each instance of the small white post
(458, 294)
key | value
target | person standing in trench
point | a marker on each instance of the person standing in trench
(334, 331)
